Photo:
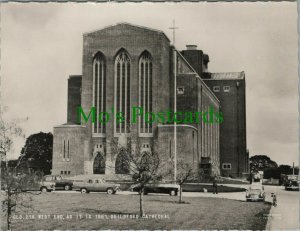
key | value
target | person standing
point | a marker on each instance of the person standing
(250, 177)
(215, 185)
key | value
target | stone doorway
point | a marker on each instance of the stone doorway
(99, 164)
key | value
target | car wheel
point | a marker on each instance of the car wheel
(173, 192)
(44, 189)
(83, 190)
(110, 191)
(67, 187)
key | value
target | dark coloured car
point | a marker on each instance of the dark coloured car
(171, 189)
(292, 185)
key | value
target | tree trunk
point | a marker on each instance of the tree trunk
(180, 193)
(141, 203)
(8, 211)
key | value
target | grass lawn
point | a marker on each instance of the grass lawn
(195, 187)
(196, 213)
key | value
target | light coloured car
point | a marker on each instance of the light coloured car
(47, 184)
(255, 193)
(95, 185)
(60, 183)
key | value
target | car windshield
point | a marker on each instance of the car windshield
(58, 177)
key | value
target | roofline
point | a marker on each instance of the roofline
(70, 126)
(119, 23)
(208, 89)
(197, 76)
(225, 79)
(241, 78)
(75, 76)
(178, 52)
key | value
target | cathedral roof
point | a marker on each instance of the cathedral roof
(128, 25)
(69, 124)
(228, 75)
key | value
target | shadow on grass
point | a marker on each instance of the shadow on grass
(169, 201)
(262, 214)
(182, 202)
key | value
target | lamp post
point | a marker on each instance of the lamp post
(175, 110)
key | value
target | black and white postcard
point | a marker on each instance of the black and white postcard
(149, 116)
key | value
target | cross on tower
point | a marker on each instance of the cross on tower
(173, 28)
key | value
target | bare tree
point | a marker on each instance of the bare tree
(14, 192)
(143, 166)
(12, 186)
(8, 130)
(185, 172)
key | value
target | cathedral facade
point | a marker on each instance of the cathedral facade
(126, 66)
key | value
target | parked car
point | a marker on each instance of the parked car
(46, 184)
(255, 193)
(292, 185)
(95, 185)
(163, 188)
(24, 182)
(60, 183)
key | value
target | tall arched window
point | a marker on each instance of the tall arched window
(99, 91)
(122, 92)
(145, 91)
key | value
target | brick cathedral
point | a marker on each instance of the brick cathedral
(126, 65)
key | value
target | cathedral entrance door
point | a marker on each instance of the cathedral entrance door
(99, 164)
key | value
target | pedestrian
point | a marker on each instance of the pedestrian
(274, 199)
(250, 177)
(215, 185)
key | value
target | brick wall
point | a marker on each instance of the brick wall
(134, 40)
(195, 58)
(74, 97)
(233, 129)
(72, 163)
(197, 97)
(186, 142)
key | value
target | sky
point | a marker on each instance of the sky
(41, 45)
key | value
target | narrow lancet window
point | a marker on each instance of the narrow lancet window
(145, 92)
(99, 92)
